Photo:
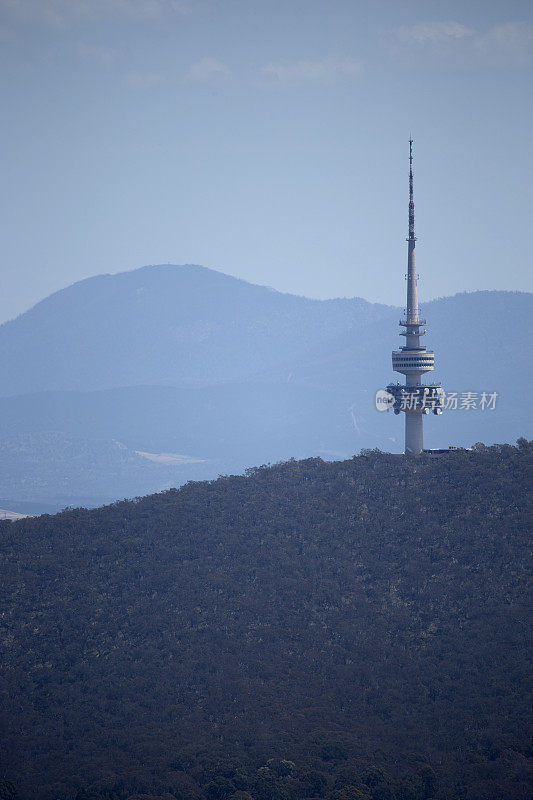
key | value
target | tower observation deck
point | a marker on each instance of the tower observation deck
(412, 359)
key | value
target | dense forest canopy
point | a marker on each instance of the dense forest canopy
(353, 630)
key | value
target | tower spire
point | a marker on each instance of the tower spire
(412, 280)
(412, 236)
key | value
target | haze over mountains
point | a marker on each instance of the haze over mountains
(166, 325)
(188, 361)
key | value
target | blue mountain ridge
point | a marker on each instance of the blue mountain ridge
(186, 360)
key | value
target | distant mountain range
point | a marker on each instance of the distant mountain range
(166, 326)
(189, 361)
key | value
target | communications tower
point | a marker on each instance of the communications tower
(414, 398)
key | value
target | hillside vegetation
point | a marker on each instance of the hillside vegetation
(352, 630)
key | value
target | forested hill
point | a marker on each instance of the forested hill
(352, 630)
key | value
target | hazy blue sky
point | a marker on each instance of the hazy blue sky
(268, 140)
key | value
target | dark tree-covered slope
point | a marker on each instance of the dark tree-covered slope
(353, 630)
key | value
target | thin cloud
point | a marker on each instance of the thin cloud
(208, 69)
(453, 45)
(432, 33)
(326, 70)
(64, 13)
(511, 42)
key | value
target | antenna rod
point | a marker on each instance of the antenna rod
(411, 200)
(412, 298)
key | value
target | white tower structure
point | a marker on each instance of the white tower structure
(413, 359)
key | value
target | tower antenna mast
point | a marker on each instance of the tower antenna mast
(411, 194)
